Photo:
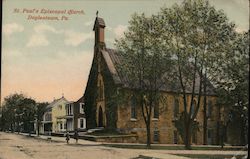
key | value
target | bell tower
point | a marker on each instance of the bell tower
(99, 31)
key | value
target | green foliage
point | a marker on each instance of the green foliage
(233, 83)
(144, 62)
(182, 44)
(198, 36)
(18, 113)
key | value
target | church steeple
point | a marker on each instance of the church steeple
(99, 31)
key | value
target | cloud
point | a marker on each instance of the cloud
(11, 28)
(119, 30)
(37, 40)
(88, 23)
(42, 28)
(240, 30)
(39, 37)
(109, 28)
(71, 38)
(75, 38)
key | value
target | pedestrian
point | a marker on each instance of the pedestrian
(67, 137)
(76, 136)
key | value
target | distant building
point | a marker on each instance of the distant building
(69, 116)
(75, 115)
(103, 110)
(54, 119)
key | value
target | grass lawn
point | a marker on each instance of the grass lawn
(163, 147)
(105, 133)
(203, 156)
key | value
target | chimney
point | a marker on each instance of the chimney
(99, 31)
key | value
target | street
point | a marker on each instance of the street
(14, 146)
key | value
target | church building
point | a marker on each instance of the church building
(107, 107)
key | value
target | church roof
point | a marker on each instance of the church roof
(113, 60)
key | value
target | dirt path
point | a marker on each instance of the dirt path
(13, 146)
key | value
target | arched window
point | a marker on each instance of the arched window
(100, 90)
(193, 106)
(209, 109)
(133, 107)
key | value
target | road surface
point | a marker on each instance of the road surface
(14, 146)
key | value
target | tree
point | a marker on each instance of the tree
(143, 63)
(18, 113)
(196, 34)
(233, 81)
(40, 110)
(27, 109)
(9, 110)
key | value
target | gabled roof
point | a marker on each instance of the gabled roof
(80, 99)
(113, 60)
(52, 104)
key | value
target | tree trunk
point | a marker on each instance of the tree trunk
(148, 134)
(205, 113)
(188, 136)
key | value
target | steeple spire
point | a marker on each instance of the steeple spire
(99, 31)
(97, 13)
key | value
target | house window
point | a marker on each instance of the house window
(61, 126)
(81, 108)
(209, 109)
(156, 136)
(175, 137)
(82, 123)
(48, 117)
(69, 109)
(156, 110)
(176, 107)
(60, 107)
(193, 107)
(133, 107)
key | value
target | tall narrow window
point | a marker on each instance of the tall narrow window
(81, 108)
(156, 110)
(156, 136)
(133, 107)
(100, 90)
(209, 109)
(82, 123)
(175, 137)
(176, 107)
(194, 137)
(193, 106)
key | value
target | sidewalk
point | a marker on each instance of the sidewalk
(62, 139)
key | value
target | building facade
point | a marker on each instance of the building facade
(103, 109)
(75, 115)
(54, 119)
(79, 115)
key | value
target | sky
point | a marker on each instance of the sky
(45, 59)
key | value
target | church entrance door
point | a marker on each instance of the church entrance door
(100, 117)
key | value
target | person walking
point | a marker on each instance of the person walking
(67, 137)
(76, 136)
